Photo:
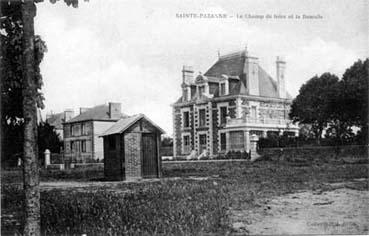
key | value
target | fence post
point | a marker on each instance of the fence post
(47, 157)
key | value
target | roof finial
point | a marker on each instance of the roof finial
(218, 53)
(246, 51)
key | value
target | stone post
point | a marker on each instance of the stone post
(47, 157)
(253, 142)
(265, 134)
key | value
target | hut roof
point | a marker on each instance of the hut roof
(123, 124)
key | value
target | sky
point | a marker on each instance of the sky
(132, 52)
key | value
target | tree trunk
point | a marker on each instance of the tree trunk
(30, 157)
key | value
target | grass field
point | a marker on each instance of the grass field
(191, 198)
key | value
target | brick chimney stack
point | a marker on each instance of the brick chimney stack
(188, 79)
(187, 75)
(281, 81)
(115, 111)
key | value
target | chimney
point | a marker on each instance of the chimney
(187, 75)
(83, 109)
(281, 81)
(115, 110)
(251, 70)
(68, 114)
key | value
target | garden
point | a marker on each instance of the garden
(190, 199)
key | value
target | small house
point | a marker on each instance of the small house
(131, 149)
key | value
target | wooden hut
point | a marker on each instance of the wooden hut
(131, 149)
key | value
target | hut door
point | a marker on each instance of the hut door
(149, 158)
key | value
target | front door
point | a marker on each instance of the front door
(149, 156)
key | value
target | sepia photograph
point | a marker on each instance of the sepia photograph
(183, 117)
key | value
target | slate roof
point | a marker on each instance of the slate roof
(123, 124)
(100, 112)
(56, 120)
(231, 65)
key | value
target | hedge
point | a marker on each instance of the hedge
(171, 209)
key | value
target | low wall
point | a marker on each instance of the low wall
(314, 153)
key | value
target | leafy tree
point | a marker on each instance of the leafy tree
(166, 141)
(11, 90)
(48, 139)
(313, 104)
(354, 105)
(24, 12)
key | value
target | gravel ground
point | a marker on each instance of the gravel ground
(344, 210)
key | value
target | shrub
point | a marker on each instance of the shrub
(168, 208)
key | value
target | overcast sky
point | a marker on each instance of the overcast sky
(133, 51)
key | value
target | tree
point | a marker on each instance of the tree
(12, 72)
(355, 88)
(30, 84)
(313, 103)
(48, 139)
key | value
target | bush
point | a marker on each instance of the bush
(168, 208)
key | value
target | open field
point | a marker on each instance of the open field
(242, 197)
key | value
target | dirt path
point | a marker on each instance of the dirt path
(341, 211)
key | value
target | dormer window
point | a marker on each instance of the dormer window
(223, 88)
(185, 97)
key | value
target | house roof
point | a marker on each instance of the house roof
(56, 120)
(100, 112)
(125, 123)
(231, 65)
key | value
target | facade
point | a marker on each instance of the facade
(82, 141)
(236, 98)
(131, 149)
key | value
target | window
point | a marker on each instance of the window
(253, 113)
(83, 128)
(83, 145)
(222, 89)
(202, 117)
(236, 140)
(186, 119)
(185, 97)
(223, 142)
(223, 115)
(186, 144)
(71, 130)
(72, 147)
(201, 90)
(202, 138)
(111, 142)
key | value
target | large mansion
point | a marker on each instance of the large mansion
(236, 98)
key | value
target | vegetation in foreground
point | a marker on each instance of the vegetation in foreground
(174, 206)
